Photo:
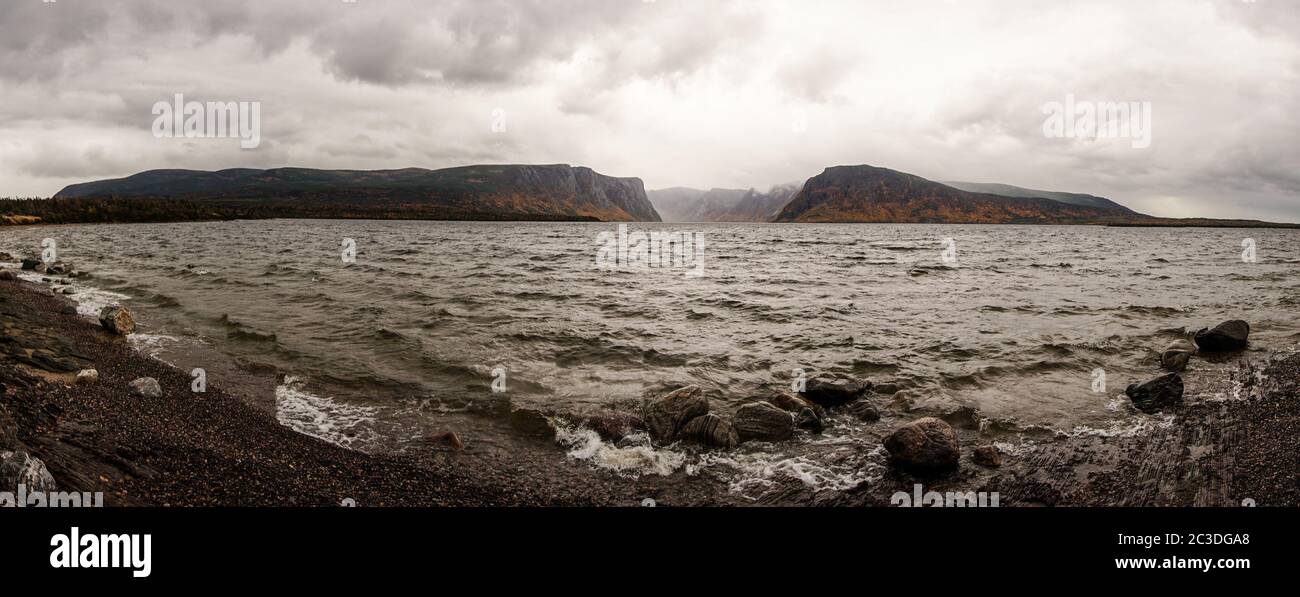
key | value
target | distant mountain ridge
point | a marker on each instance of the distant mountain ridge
(871, 194)
(1007, 190)
(470, 192)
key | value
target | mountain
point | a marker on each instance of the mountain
(870, 194)
(555, 192)
(680, 204)
(1007, 190)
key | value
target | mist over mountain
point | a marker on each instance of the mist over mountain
(470, 192)
(680, 204)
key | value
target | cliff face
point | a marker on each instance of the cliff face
(869, 194)
(471, 192)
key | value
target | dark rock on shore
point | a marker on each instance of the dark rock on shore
(1225, 337)
(613, 425)
(666, 416)
(7, 276)
(986, 456)
(1176, 356)
(761, 421)
(792, 403)
(30, 264)
(59, 268)
(808, 419)
(146, 387)
(835, 391)
(118, 320)
(710, 430)
(1152, 396)
(927, 443)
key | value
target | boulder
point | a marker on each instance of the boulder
(865, 411)
(59, 268)
(613, 425)
(808, 419)
(793, 403)
(30, 264)
(986, 456)
(1176, 356)
(1157, 394)
(145, 386)
(666, 416)
(761, 421)
(927, 443)
(5, 256)
(7, 275)
(447, 440)
(20, 468)
(710, 430)
(1225, 337)
(835, 391)
(118, 320)
(87, 377)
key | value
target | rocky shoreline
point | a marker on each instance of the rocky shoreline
(155, 442)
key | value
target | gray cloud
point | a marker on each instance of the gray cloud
(735, 93)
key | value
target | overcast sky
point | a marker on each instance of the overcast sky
(702, 93)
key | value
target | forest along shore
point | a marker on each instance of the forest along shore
(169, 446)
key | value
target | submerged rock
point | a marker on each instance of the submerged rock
(761, 421)
(613, 425)
(710, 430)
(986, 456)
(927, 443)
(1176, 356)
(808, 419)
(59, 268)
(835, 391)
(1160, 393)
(865, 411)
(20, 468)
(666, 416)
(118, 320)
(1225, 337)
(145, 386)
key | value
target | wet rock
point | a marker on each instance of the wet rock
(20, 468)
(927, 443)
(808, 419)
(835, 391)
(987, 456)
(146, 387)
(666, 416)
(761, 421)
(87, 377)
(792, 403)
(613, 425)
(40, 268)
(1225, 337)
(447, 440)
(711, 430)
(865, 411)
(118, 320)
(1176, 356)
(59, 268)
(68, 310)
(30, 264)
(7, 275)
(962, 417)
(5, 256)
(1152, 396)
(884, 389)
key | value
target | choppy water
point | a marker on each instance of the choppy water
(374, 349)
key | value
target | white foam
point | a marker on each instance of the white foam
(632, 460)
(758, 471)
(345, 425)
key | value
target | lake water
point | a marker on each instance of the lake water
(1012, 321)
